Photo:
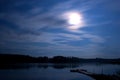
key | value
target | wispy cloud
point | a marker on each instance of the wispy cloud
(30, 22)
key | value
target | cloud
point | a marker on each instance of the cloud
(94, 38)
(29, 27)
(37, 18)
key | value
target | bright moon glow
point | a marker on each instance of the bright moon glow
(74, 19)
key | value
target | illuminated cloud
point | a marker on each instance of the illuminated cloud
(84, 27)
(74, 19)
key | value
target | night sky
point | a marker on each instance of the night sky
(82, 28)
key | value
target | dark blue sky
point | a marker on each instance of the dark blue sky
(38, 28)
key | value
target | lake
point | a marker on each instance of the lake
(54, 71)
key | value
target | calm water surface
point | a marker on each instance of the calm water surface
(54, 71)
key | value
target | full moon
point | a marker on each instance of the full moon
(74, 20)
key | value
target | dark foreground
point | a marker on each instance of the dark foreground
(57, 71)
(25, 67)
(97, 76)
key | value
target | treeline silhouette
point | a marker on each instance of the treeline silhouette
(16, 58)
